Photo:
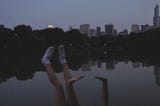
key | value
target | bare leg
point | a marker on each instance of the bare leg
(67, 74)
(104, 90)
(72, 99)
(59, 92)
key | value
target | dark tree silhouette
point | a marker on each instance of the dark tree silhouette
(75, 38)
(6, 37)
(53, 36)
(23, 34)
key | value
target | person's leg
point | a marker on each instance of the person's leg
(72, 99)
(62, 60)
(104, 90)
(59, 92)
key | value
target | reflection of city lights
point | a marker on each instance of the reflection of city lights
(50, 26)
(70, 44)
(105, 52)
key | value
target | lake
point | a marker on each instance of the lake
(129, 83)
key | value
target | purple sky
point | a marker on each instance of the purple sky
(64, 13)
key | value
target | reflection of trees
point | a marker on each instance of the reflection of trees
(24, 75)
(157, 74)
(76, 58)
(22, 64)
(19, 64)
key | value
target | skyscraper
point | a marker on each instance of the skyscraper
(156, 11)
(85, 29)
(98, 31)
(109, 29)
(135, 28)
(156, 17)
(93, 32)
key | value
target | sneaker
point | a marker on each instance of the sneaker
(45, 59)
(61, 51)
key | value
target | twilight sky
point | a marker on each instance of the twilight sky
(64, 13)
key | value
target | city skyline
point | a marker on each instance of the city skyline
(39, 14)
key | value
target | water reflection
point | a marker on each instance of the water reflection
(130, 81)
(111, 65)
(105, 96)
(19, 64)
(24, 64)
(136, 64)
(157, 75)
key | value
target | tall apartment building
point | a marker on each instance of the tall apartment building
(93, 32)
(98, 31)
(109, 29)
(85, 29)
(135, 28)
(156, 17)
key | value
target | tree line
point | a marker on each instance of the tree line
(23, 36)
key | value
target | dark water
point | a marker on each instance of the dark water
(24, 82)
(130, 84)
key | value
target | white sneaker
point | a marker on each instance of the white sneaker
(45, 59)
(61, 51)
